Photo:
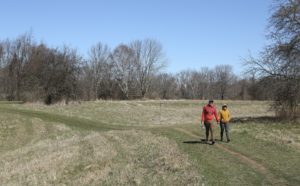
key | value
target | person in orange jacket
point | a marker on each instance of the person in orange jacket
(208, 114)
(225, 117)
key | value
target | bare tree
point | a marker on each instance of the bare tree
(124, 69)
(224, 77)
(21, 53)
(183, 81)
(59, 72)
(33, 73)
(280, 60)
(205, 82)
(1, 54)
(149, 59)
(99, 63)
(5, 58)
(2, 72)
(14, 56)
(164, 85)
(191, 84)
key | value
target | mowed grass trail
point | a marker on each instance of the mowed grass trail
(147, 113)
(37, 152)
(143, 143)
(260, 154)
(44, 148)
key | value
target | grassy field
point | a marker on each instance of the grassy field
(143, 143)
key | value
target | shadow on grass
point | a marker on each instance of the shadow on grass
(263, 119)
(11, 102)
(202, 141)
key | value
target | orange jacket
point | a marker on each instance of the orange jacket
(208, 113)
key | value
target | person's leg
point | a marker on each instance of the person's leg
(212, 133)
(222, 130)
(227, 128)
(206, 130)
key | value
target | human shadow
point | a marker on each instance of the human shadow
(202, 141)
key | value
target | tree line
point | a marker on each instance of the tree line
(31, 71)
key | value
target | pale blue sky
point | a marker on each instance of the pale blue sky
(194, 33)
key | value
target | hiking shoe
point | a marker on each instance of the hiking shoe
(213, 142)
(228, 140)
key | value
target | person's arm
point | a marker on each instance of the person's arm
(202, 117)
(216, 115)
(220, 115)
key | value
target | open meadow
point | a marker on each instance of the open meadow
(144, 143)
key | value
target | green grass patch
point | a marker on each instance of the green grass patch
(216, 166)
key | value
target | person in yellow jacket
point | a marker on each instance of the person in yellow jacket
(224, 116)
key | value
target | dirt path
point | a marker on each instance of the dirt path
(252, 163)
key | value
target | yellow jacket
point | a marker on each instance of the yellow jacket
(224, 115)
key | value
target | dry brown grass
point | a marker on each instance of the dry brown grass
(288, 135)
(151, 112)
(37, 152)
(54, 154)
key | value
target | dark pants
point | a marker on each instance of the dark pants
(224, 126)
(209, 127)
